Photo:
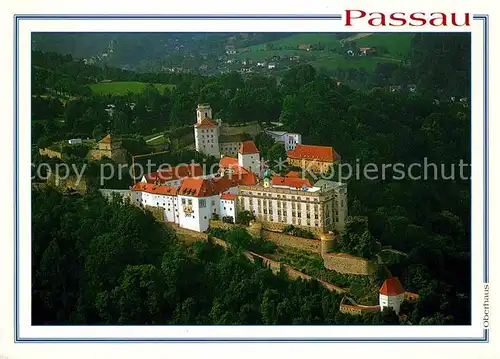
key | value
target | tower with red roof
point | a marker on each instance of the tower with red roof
(391, 294)
(249, 157)
(206, 132)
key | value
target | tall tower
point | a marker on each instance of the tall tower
(206, 132)
(203, 111)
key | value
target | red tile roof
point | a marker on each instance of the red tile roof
(155, 189)
(196, 187)
(248, 148)
(391, 287)
(222, 184)
(364, 48)
(106, 139)
(291, 182)
(227, 162)
(231, 163)
(309, 152)
(199, 187)
(205, 123)
(294, 174)
(175, 173)
(248, 179)
(228, 196)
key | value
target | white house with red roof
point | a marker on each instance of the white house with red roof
(391, 294)
(192, 204)
(249, 157)
(206, 132)
(228, 205)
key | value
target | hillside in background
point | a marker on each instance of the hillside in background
(251, 52)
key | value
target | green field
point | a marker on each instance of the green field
(343, 62)
(294, 41)
(121, 88)
(396, 45)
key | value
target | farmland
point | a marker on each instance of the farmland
(121, 88)
(328, 51)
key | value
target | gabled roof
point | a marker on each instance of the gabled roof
(247, 179)
(248, 148)
(205, 123)
(175, 173)
(291, 182)
(310, 152)
(228, 196)
(195, 187)
(154, 189)
(391, 287)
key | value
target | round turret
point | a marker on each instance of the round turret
(255, 229)
(327, 242)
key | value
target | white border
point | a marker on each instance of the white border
(334, 332)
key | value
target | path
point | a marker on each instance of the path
(154, 138)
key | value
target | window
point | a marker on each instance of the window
(316, 216)
(299, 214)
(183, 201)
(284, 212)
(205, 217)
(203, 203)
(190, 202)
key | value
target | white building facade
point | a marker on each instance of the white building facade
(290, 140)
(293, 201)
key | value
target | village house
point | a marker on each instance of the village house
(305, 47)
(230, 50)
(367, 51)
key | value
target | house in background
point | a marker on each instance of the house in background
(367, 51)
(230, 50)
(305, 47)
(291, 140)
